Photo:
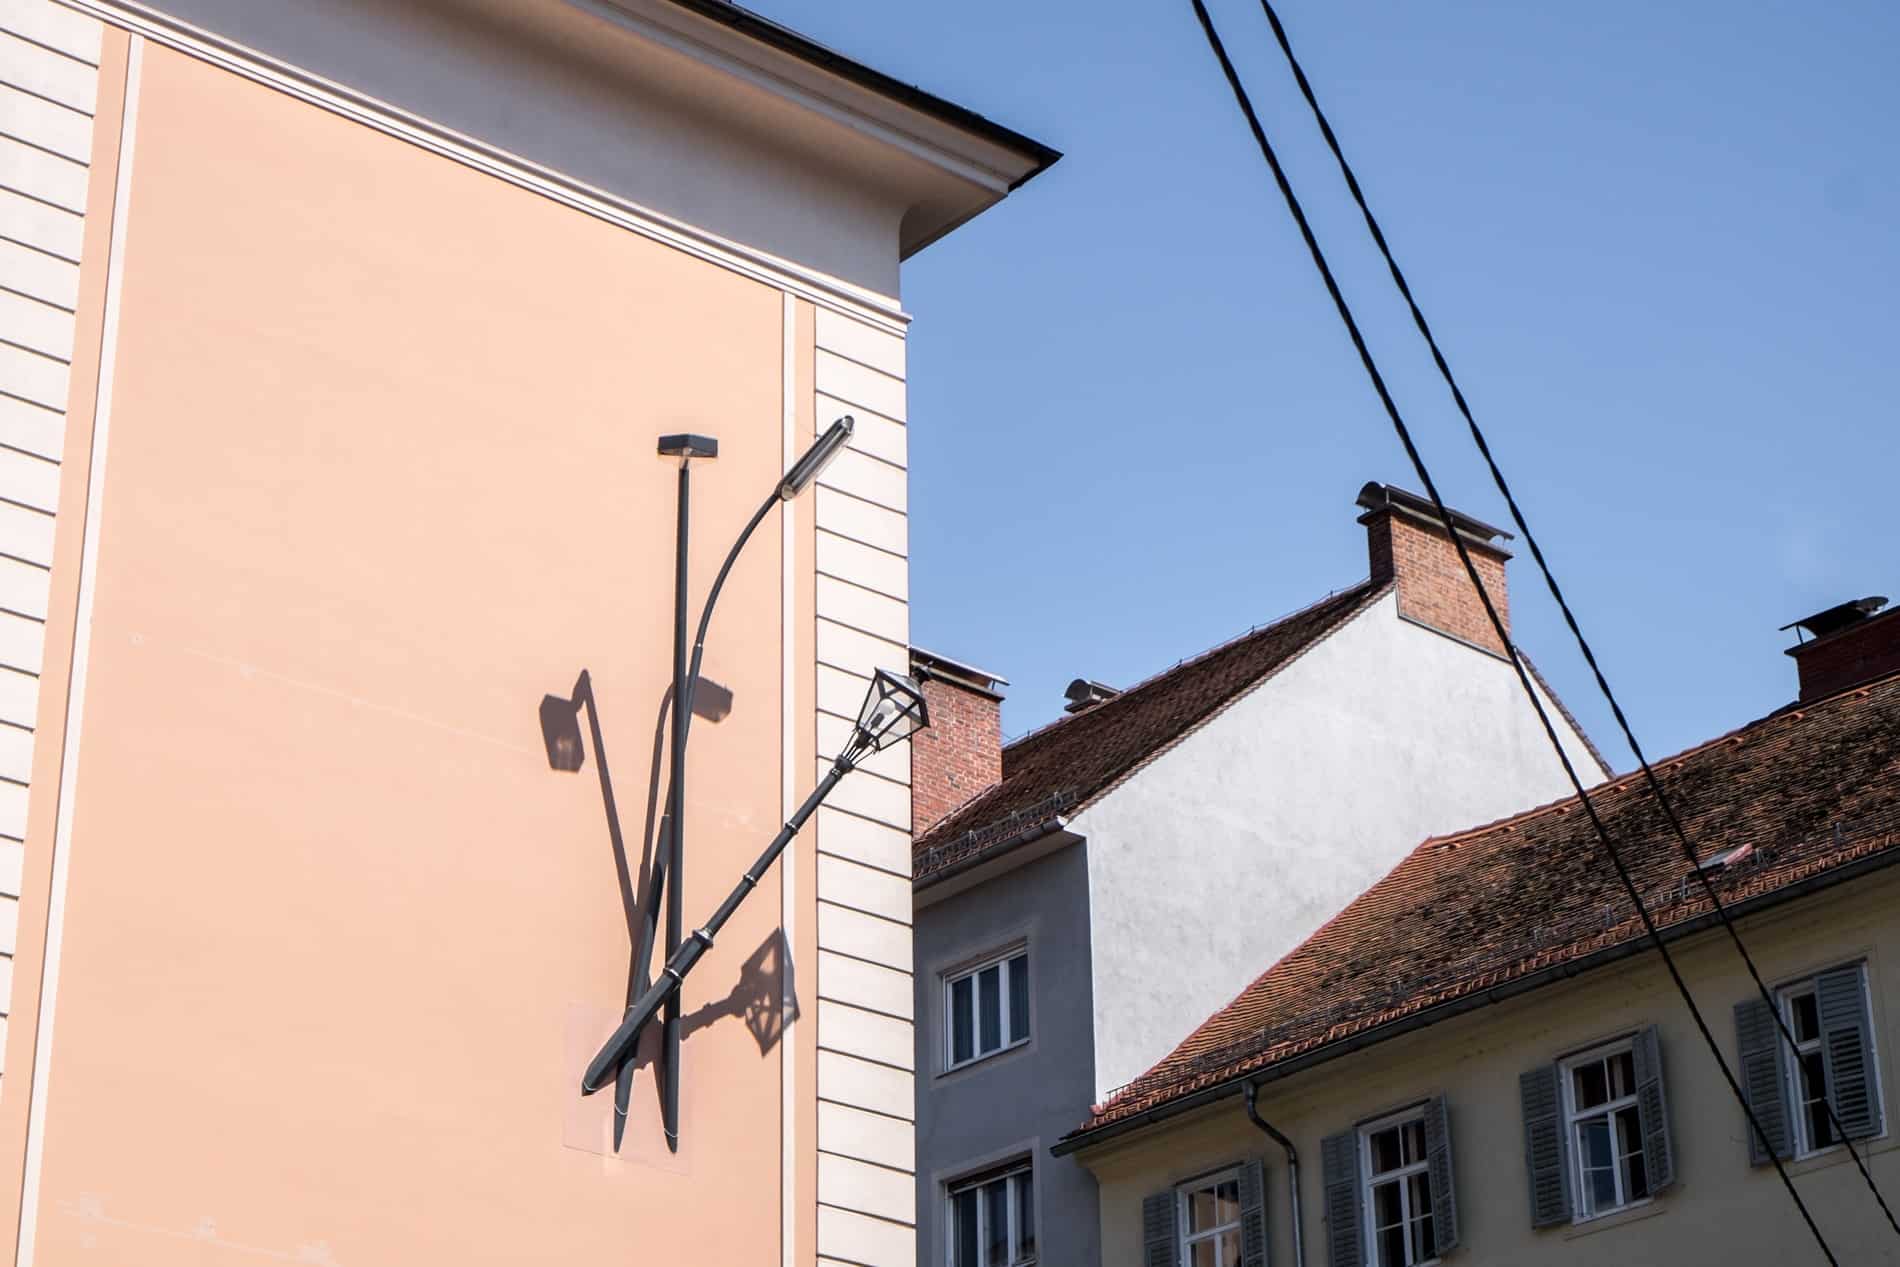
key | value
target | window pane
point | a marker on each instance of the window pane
(1201, 1210)
(1424, 1243)
(1413, 1136)
(1807, 1019)
(1202, 1255)
(1227, 1202)
(1592, 1085)
(1230, 1248)
(962, 1024)
(989, 1008)
(1599, 1177)
(1391, 1242)
(996, 1235)
(1622, 1075)
(1814, 1100)
(1629, 1142)
(963, 1215)
(1019, 998)
(1025, 1217)
(1386, 1208)
(1384, 1147)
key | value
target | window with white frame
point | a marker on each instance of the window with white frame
(1398, 1191)
(993, 1219)
(1209, 1219)
(1807, 1070)
(1605, 1130)
(986, 1008)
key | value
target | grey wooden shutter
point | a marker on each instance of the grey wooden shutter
(1764, 1078)
(1652, 1109)
(1847, 1042)
(1444, 1188)
(1159, 1232)
(1339, 1172)
(1544, 1146)
(1253, 1214)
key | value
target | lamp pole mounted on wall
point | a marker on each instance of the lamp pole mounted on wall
(893, 710)
(670, 871)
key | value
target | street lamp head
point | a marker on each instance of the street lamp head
(816, 458)
(893, 709)
(688, 446)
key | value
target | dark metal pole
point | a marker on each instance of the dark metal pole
(676, 815)
(665, 990)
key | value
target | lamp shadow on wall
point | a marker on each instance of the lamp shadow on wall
(764, 997)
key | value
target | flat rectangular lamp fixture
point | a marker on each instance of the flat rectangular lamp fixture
(688, 445)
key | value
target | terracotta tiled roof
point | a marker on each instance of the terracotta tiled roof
(1812, 790)
(1068, 763)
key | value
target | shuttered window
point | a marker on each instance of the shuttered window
(1390, 1195)
(1596, 1131)
(1217, 1220)
(1830, 1064)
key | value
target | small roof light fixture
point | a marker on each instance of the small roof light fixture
(688, 446)
(817, 458)
(893, 709)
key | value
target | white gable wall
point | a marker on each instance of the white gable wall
(1228, 850)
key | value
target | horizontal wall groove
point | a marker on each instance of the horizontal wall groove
(845, 536)
(38, 299)
(855, 861)
(894, 923)
(28, 563)
(860, 1056)
(866, 1161)
(863, 1214)
(859, 1108)
(52, 255)
(67, 361)
(869, 963)
(851, 1003)
(32, 144)
(868, 502)
(838, 621)
(17, 192)
(869, 589)
(28, 453)
(24, 91)
(833, 899)
(862, 818)
(48, 48)
(860, 362)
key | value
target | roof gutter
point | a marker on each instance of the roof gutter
(1051, 826)
(1470, 1003)
(812, 53)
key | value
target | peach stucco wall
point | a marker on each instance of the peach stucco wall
(336, 938)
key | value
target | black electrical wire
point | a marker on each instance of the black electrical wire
(1550, 581)
(1497, 624)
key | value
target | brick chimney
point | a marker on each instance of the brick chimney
(961, 752)
(1406, 540)
(1848, 645)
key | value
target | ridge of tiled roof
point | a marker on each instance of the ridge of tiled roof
(1062, 767)
(1814, 789)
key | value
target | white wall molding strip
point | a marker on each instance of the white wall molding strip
(82, 650)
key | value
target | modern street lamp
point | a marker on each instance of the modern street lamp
(670, 866)
(893, 710)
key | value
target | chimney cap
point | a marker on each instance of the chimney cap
(1376, 497)
(1836, 618)
(928, 664)
(1084, 693)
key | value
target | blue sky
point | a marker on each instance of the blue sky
(1657, 241)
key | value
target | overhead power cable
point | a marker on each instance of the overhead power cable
(1497, 624)
(1556, 591)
